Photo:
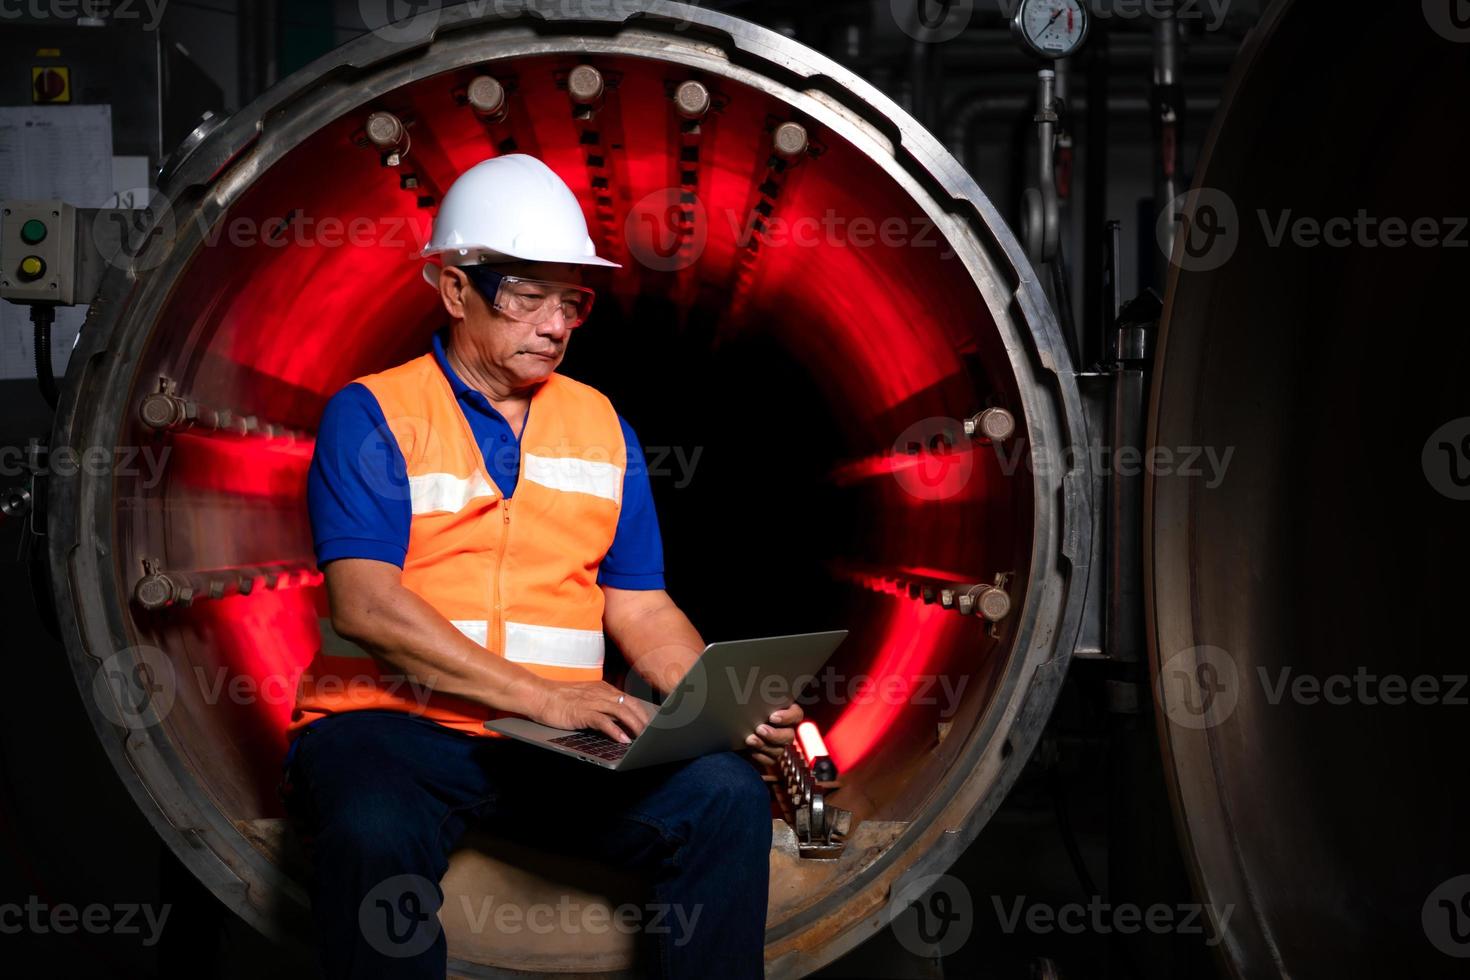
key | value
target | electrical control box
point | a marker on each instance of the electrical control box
(38, 252)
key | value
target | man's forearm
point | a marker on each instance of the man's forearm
(660, 645)
(399, 628)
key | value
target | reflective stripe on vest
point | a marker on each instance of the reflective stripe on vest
(517, 576)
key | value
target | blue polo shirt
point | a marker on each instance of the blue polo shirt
(357, 486)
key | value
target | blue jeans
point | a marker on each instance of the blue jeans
(382, 797)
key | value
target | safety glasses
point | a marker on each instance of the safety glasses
(533, 301)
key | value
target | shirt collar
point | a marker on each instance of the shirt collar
(456, 383)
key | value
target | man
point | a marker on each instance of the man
(474, 574)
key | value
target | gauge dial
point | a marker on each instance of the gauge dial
(1050, 28)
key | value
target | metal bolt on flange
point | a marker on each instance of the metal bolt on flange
(162, 411)
(790, 140)
(994, 424)
(157, 591)
(384, 130)
(387, 132)
(988, 602)
(585, 85)
(486, 96)
(692, 99)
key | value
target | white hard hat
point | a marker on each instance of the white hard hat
(508, 208)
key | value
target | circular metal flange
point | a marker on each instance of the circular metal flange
(91, 597)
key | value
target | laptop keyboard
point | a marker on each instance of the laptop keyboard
(593, 743)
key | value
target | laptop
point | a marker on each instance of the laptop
(732, 687)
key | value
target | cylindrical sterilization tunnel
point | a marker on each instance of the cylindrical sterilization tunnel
(814, 299)
(1330, 372)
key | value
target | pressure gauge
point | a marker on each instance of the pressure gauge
(1050, 28)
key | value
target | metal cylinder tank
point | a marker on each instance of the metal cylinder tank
(1304, 603)
(814, 296)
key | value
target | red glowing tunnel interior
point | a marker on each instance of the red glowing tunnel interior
(783, 335)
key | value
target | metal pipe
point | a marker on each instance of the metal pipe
(1040, 221)
(1167, 96)
(1095, 206)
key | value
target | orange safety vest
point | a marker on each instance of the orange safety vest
(523, 587)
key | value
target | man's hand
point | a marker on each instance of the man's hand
(585, 704)
(770, 740)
